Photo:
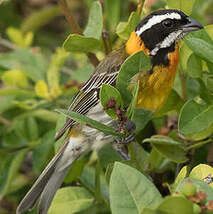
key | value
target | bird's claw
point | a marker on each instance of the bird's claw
(121, 146)
(126, 140)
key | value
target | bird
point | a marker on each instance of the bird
(158, 35)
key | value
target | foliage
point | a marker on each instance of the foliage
(41, 69)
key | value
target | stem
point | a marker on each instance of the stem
(140, 7)
(69, 17)
(198, 144)
(5, 121)
(75, 28)
(7, 44)
(105, 37)
(183, 84)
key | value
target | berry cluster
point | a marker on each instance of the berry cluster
(198, 198)
(124, 123)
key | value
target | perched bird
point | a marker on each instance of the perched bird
(158, 36)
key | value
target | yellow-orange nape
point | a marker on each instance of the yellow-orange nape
(135, 44)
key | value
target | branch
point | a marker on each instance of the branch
(5, 43)
(5, 121)
(75, 28)
(183, 83)
(107, 46)
(140, 7)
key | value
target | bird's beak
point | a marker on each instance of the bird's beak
(192, 25)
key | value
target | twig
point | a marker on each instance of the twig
(7, 44)
(198, 144)
(183, 84)
(70, 19)
(140, 7)
(5, 121)
(75, 28)
(107, 46)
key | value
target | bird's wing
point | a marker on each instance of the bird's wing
(88, 96)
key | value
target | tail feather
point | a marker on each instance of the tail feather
(53, 175)
(31, 197)
(33, 194)
(50, 189)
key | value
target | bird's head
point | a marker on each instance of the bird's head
(158, 33)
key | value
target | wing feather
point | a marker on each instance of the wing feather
(88, 96)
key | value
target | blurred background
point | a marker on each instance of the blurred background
(37, 76)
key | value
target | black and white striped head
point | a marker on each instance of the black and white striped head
(163, 28)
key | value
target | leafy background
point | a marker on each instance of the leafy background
(45, 58)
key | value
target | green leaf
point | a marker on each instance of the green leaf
(41, 89)
(201, 34)
(185, 53)
(71, 200)
(169, 148)
(131, 191)
(200, 47)
(42, 114)
(158, 163)
(44, 151)
(20, 128)
(106, 93)
(16, 36)
(95, 21)
(209, 30)
(40, 18)
(76, 170)
(17, 183)
(8, 171)
(87, 179)
(141, 117)
(204, 92)
(28, 104)
(194, 66)
(15, 78)
(78, 44)
(139, 156)
(28, 39)
(200, 186)
(181, 175)
(132, 66)
(173, 4)
(16, 92)
(112, 7)
(173, 103)
(124, 29)
(175, 205)
(201, 171)
(185, 6)
(34, 65)
(53, 72)
(149, 211)
(107, 155)
(90, 122)
(6, 103)
(195, 120)
(33, 129)
(133, 103)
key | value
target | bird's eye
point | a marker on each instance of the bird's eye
(168, 23)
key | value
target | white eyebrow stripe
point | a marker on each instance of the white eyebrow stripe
(157, 19)
(172, 37)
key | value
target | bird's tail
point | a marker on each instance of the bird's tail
(46, 185)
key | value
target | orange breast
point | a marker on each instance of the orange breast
(154, 88)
